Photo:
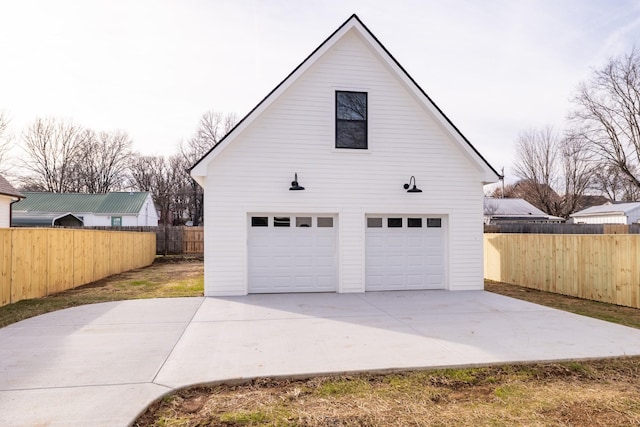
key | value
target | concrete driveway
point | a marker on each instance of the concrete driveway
(102, 364)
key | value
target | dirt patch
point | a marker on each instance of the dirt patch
(600, 392)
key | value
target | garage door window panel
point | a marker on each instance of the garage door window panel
(434, 222)
(374, 222)
(414, 222)
(259, 221)
(281, 221)
(394, 222)
(325, 222)
(303, 221)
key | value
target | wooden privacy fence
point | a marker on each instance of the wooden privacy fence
(180, 240)
(35, 262)
(193, 240)
(596, 267)
(562, 228)
(170, 240)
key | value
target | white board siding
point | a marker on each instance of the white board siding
(603, 219)
(5, 211)
(296, 134)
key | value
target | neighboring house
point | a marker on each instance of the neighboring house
(8, 196)
(609, 213)
(124, 209)
(501, 211)
(345, 178)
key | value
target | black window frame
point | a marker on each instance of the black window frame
(365, 122)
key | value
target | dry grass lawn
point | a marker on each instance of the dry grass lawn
(593, 393)
(165, 278)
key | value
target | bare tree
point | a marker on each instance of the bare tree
(157, 175)
(50, 146)
(213, 126)
(101, 163)
(607, 115)
(614, 185)
(556, 171)
(5, 143)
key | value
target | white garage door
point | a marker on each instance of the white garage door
(292, 253)
(404, 252)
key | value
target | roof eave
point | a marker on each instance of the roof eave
(579, 215)
(199, 169)
(15, 196)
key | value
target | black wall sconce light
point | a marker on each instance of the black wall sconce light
(413, 189)
(294, 184)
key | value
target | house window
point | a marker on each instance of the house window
(351, 120)
(116, 221)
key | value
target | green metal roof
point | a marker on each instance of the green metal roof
(109, 203)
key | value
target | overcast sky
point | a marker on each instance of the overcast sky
(495, 67)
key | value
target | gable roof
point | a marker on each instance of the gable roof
(516, 208)
(109, 203)
(6, 189)
(198, 170)
(616, 209)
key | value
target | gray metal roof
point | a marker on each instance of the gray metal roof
(39, 219)
(109, 203)
(7, 189)
(513, 208)
(616, 209)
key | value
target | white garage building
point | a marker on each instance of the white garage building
(609, 213)
(345, 178)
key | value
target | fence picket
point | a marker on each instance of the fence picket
(36, 262)
(600, 267)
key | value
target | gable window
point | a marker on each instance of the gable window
(351, 120)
